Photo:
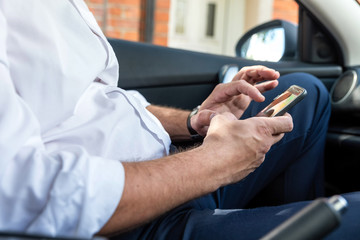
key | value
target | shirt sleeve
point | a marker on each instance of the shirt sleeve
(65, 192)
(139, 97)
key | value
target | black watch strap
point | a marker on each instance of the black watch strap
(193, 133)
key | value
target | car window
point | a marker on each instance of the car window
(211, 26)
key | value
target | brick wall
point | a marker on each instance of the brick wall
(125, 19)
(161, 22)
(286, 9)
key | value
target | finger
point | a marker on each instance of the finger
(240, 87)
(217, 120)
(203, 118)
(279, 125)
(226, 115)
(268, 74)
(266, 86)
(257, 73)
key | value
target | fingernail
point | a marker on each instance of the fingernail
(261, 96)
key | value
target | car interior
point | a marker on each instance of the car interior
(183, 79)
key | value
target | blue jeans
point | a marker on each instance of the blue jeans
(291, 174)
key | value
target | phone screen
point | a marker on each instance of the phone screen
(285, 101)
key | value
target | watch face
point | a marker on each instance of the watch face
(194, 111)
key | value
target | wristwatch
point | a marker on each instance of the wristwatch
(193, 134)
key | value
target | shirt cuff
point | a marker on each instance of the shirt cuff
(109, 188)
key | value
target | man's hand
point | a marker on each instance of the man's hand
(231, 150)
(235, 97)
(240, 146)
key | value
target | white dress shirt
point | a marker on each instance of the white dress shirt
(65, 127)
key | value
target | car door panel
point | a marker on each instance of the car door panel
(183, 78)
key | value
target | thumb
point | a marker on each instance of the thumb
(219, 120)
(205, 117)
(201, 121)
(216, 118)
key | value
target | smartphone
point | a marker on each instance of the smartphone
(282, 103)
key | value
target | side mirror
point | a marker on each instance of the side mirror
(272, 41)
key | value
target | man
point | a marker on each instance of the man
(76, 150)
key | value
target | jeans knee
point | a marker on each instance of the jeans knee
(317, 93)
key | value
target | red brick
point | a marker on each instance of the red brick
(123, 24)
(132, 13)
(131, 36)
(115, 11)
(94, 1)
(161, 28)
(126, 2)
(162, 16)
(285, 9)
(111, 34)
(163, 4)
(160, 41)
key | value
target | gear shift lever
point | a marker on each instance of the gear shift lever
(314, 221)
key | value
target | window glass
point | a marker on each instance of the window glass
(212, 26)
(210, 21)
(180, 15)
